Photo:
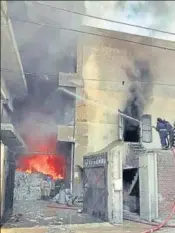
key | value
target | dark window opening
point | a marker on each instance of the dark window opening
(131, 131)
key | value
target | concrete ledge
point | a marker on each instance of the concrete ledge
(70, 80)
(10, 136)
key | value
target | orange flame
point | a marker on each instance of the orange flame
(51, 165)
(46, 161)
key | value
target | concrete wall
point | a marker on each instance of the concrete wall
(3, 157)
(101, 66)
(115, 183)
(101, 63)
(166, 184)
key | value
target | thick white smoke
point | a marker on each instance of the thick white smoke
(153, 14)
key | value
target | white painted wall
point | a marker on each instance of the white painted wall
(148, 186)
(115, 185)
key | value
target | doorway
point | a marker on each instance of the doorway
(66, 149)
(131, 192)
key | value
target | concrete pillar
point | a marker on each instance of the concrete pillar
(115, 185)
(148, 186)
(3, 153)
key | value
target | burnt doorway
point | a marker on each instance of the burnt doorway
(66, 149)
(131, 131)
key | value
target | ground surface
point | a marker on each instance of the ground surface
(127, 227)
(43, 213)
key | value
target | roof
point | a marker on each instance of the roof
(131, 38)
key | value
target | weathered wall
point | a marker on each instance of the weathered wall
(3, 155)
(166, 184)
(101, 66)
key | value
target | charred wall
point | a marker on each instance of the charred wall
(139, 92)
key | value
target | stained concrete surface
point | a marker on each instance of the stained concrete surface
(44, 213)
(127, 227)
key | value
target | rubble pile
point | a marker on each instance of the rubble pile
(27, 186)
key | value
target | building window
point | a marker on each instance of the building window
(132, 131)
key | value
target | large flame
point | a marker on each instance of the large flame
(42, 157)
(51, 165)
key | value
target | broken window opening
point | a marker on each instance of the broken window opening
(131, 131)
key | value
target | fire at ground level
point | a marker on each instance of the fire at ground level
(29, 210)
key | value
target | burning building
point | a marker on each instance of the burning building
(126, 73)
(13, 85)
(76, 114)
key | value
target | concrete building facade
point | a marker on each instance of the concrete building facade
(13, 84)
(102, 87)
(102, 64)
(108, 63)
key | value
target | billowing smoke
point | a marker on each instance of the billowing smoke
(38, 125)
(139, 92)
(43, 45)
(45, 50)
(152, 14)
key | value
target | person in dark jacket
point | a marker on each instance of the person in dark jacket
(163, 133)
(173, 142)
(169, 128)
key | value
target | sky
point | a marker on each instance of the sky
(153, 14)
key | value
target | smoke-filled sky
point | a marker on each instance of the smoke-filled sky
(49, 50)
(154, 14)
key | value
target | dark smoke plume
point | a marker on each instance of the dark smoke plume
(45, 51)
(139, 91)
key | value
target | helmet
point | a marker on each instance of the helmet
(159, 119)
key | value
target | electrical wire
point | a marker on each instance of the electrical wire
(104, 19)
(13, 18)
(86, 79)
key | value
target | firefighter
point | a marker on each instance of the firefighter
(163, 133)
(173, 141)
(52, 191)
(169, 128)
(45, 188)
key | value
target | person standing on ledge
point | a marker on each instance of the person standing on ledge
(163, 133)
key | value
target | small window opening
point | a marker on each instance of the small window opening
(131, 131)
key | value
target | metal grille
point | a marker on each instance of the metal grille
(95, 185)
